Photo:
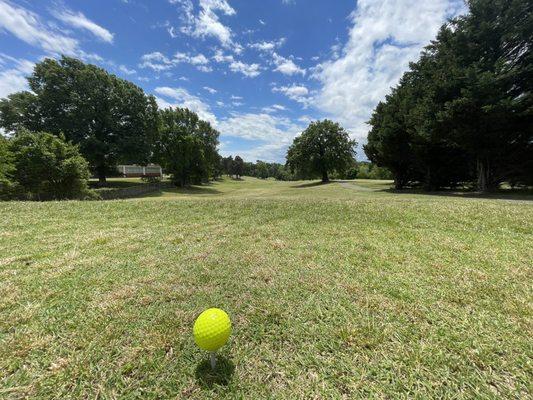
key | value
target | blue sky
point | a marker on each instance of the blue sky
(258, 70)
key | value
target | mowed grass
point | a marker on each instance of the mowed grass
(334, 292)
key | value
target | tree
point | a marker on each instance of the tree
(186, 146)
(390, 143)
(47, 167)
(111, 119)
(19, 111)
(227, 165)
(6, 168)
(238, 167)
(463, 111)
(262, 170)
(322, 148)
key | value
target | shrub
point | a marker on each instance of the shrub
(48, 168)
(151, 179)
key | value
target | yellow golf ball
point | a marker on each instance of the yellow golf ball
(212, 329)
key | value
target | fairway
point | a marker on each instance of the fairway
(344, 290)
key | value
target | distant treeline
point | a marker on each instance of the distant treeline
(463, 113)
(237, 167)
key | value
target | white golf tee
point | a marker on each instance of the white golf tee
(213, 359)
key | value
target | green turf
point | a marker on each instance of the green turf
(334, 292)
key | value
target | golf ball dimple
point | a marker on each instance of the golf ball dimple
(212, 329)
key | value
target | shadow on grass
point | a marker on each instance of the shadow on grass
(221, 375)
(192, 190)
(516, 195)
(311, 184)
(114, 184)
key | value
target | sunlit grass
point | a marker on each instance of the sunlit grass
(334, 292)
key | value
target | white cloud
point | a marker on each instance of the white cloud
(179, 97)
(13, 74)
(286, 66)
(28, 27)
(210, 89)
(207, 22)
(156, 61)
(249, 70)
(172, 32)
(198, 59)
(274, 133)
(159, 62)
(221, 57)
(273, 108)
(204, 68)
(294, 92)
(267, 46)
(78, 20)
(126, 70)
(384, 38)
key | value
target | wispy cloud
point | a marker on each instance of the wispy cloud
(13, 74)
(158, 62)
(126, 70)
(80, 21)
(28, 27)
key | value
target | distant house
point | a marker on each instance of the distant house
(136, 171)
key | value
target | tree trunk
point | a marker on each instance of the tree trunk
(485, 180)
(325, 177)
(101, 173)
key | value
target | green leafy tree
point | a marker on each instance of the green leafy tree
(324, 147)
(227, 165)
(47, 167)
(238, 167)
(186, 146)
(262, 170)
(111, 119)
(19, 111)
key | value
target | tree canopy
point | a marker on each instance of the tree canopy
(463, 111)
(186, 146)
(111, 119)
(324, 147)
